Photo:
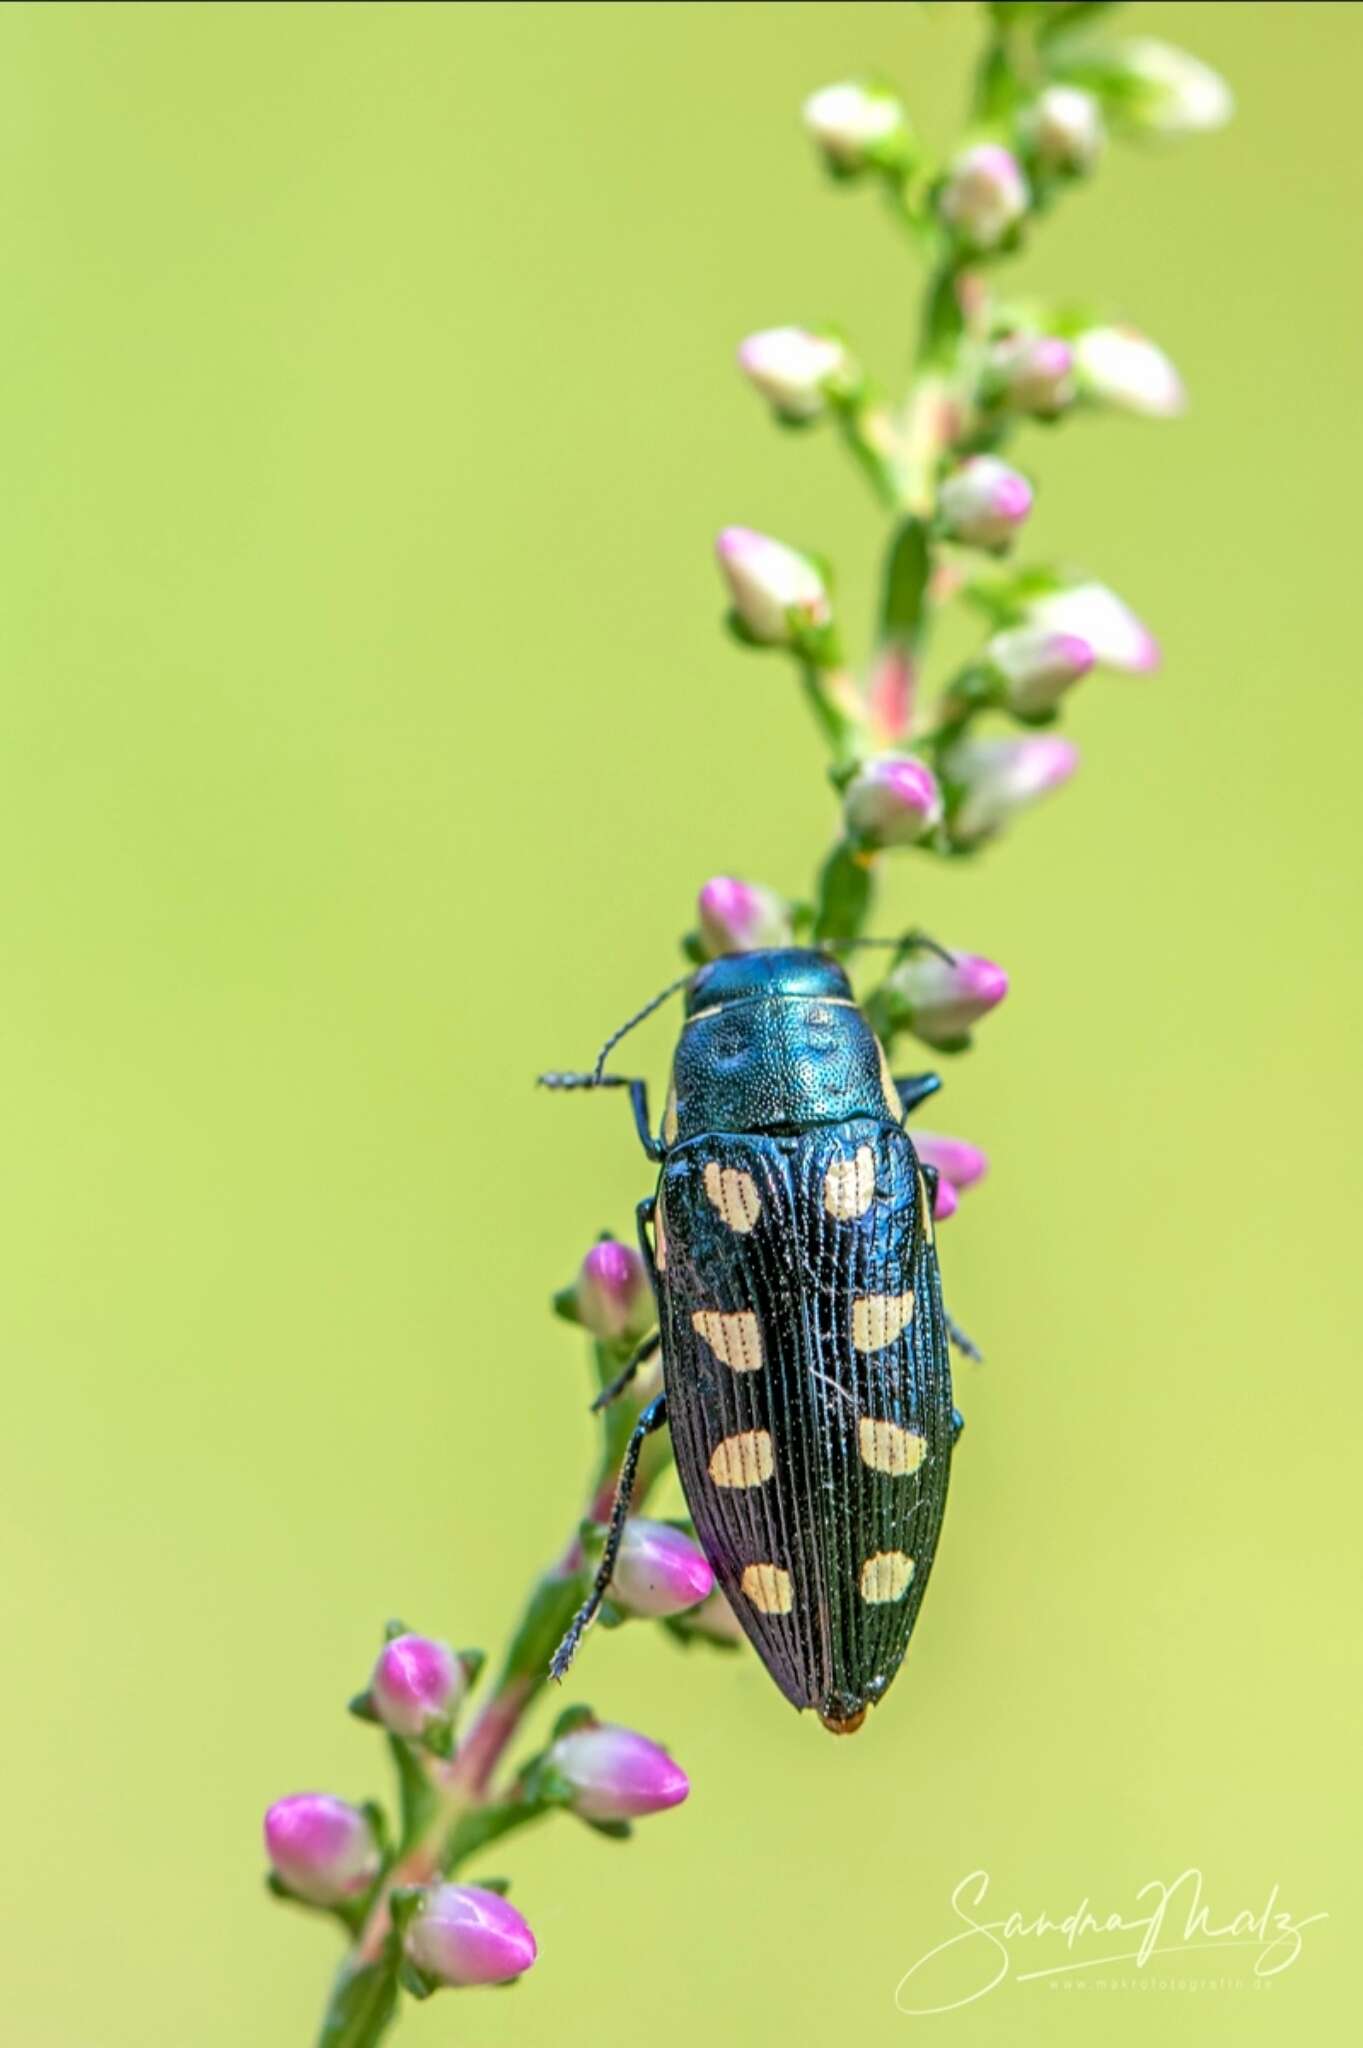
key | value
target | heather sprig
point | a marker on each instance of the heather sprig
(921, 765)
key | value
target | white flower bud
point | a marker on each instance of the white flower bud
(1065, 128)
(985, 195)
(1120, 367)
(769, 583)
(793, 368)
(854, 125)
(1174, 94)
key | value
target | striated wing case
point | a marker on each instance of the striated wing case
(809, 1395)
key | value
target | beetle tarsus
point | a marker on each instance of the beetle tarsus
(965, 1345)
(653, 1417)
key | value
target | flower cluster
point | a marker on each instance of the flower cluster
(942, 774)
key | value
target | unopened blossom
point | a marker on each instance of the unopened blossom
(892, 800)
(942, 999)
(1096, 614)
(775, 590)
(959, 1163)
(945, 1200)
(854, 124)
(614, 1297)
(462, 1934)
(997, 776)
(716, 1618)
(984, 502)
(321, 1848)
(741, 917)
(1065, 127)
(659, 1570)
(1034, 373)
(416, 1684)
(1038, 663)
(1169, 92)
(1120, 367)
(985, 195)
(793, 368)
(616, 1774)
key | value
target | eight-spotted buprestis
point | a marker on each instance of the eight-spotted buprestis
(806, 1373)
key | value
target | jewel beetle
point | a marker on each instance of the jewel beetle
(805, 1349)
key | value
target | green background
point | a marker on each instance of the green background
(367, 410)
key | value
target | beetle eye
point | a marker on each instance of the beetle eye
(730, 1045)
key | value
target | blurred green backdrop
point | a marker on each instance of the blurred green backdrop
(367, 411)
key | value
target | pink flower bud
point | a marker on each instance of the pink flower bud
(985, 195)
(998, 777)
(944, 998)
(614, 1298)
(945, 1201)
(464, 1935)
(616, 1774)
(740, 917)
(417, 1684)
(984, 502)
(321, 1848)
(1097, 614)
(1120, 367)
(892, 800)
(793, 368)
(855, 125)
(716, 1618)
(958, 1163)
(1065, 128)
(1038, 664)
(659, 1570)
(1034, 372)
(775, 591)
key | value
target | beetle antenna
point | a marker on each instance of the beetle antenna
(912, 942)
(598, 1070)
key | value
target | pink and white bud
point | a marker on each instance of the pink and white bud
(944, 998)
(1034, 373)
(984, 502)
(1119, 367)
(614, 1298)
(985, 195)
(321, 1848)
(1170, 93)
(716, 1618)
(892, 800)
(855, 125)
(999, 777)
(616, 1774)
(659, 1570)
(417, 1684)
(794, 368)
(945, 1200)
(1038, 664)
(462, 1934)
(741, 917)
(1096, 614)
(1065, 128)
(959, 1164)
(775, 591)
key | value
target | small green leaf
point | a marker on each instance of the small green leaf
(473, 1662)
(614, 1830)
(362, 1707)
(564, 1305)
(363, 2002)
(414, 1981)
(571, 1719)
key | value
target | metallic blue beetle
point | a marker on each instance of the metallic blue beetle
(805, 1350)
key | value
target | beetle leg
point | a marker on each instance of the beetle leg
(915, 1088)
(645, 1220)
(961, 1341)
(614, 1388)
(653, 1417)
(957, 1425)
(638, 1100)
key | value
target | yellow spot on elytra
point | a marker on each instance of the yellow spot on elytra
(670, 1116)
(886, 1577)
(850, 1184)
(885, 1447)
(768, 1587)
(888, 1089)
(734, 1194)
(735, 1339)
(743, 1460)
(659, 1237)
(925, 1210)
(877, 1319)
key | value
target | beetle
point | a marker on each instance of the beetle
(805, 1349)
